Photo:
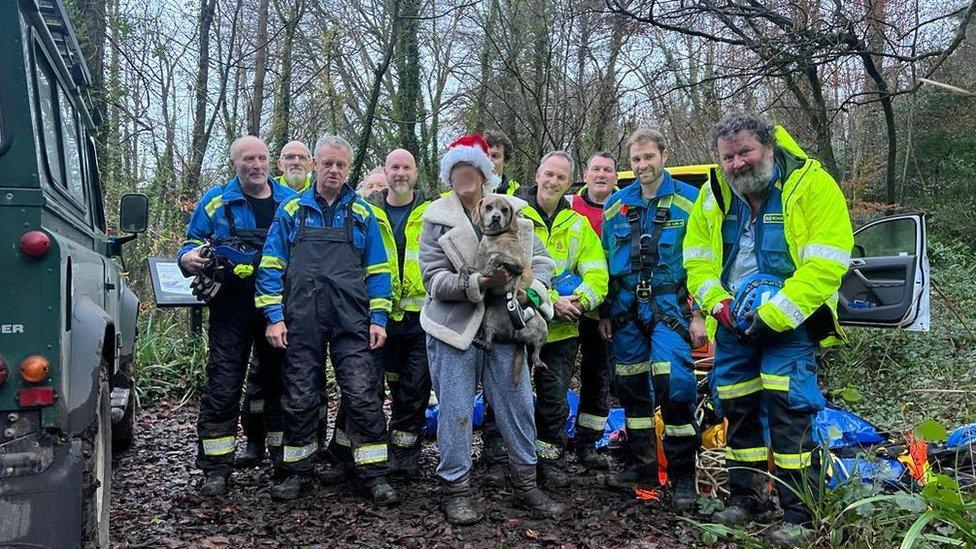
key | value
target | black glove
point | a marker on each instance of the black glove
(757, 329)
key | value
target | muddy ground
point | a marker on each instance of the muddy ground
(154, 504)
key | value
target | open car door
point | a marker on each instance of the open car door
(887, 284)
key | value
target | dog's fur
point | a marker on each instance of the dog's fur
(500, 247)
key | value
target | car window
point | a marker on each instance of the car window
(49, 121)
(896, 237)
(72, 150)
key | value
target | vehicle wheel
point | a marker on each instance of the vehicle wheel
(96, 489)
(123, 432)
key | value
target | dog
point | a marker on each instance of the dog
(501, 246)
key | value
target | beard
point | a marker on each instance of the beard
(753, 179)
(295, 177)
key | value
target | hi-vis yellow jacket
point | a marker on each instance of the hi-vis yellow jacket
(818, 234)
(574, 248)
(408, 291)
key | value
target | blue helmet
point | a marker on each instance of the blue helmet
(566, 282)
(754, 290)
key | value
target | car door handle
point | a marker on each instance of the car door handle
(882, 283)
(858, 262)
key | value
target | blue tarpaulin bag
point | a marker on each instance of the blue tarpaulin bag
(837, 428)
(962, 436)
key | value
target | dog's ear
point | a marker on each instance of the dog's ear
(476, 214)
(512, 216)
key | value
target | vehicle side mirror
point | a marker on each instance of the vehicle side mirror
(134, 213)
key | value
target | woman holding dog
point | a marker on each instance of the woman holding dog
(452, 317)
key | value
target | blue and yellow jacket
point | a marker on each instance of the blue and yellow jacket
(209, 219)
(366, 238)
(669, 271)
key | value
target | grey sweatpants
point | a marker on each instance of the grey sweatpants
(455, 376)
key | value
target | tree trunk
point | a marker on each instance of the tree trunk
(407, 105)
(281, 116)
(260, 70)
(198, 137)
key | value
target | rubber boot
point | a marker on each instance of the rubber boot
(589, 457)
(407, 462)
(552, 474)
(292, 487)
(382, 493)
(791, 535)
(631, 477)
(214, 484)
(251, 456)
(495, 457)
(335, 473)
(457, 504)
(683, 494)
(528, 495)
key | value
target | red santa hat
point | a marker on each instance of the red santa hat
(472, 149)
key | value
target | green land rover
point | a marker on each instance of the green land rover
(67, 318)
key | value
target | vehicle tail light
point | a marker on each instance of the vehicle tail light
(35, 244)
(36, 396)
(3, 371)
(35, 368)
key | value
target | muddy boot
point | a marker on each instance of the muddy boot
(552, 474)
(382, 493)
(734, 515)
(528, 495)
(791, 535)
(214, 484)
(293, 486)
(683, 494)
(251, 456)
(335, 473)
(457, 504)
(588, 457)
(631, 477)
(495, 457)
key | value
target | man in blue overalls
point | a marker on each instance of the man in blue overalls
(648, 319)
(325, 281)
(241, 211)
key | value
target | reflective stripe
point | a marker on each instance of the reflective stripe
(214, 203)
(370, 453)
(686, 430)
(698, 253)
(775, 383)
(640, 423)
(412, 303)
(683, 203)
(291, 454)
(788, 308)
(403, 439)
(661, 368)
(274, 438)
(705, 288)
(411, 255)
(220, 446)
(267, 299)
(591, 297)
(590, 421)
(709, 203)
(378, 268)
(195, 241)
(633, 369)
(392, 377)
(546, 451)
(824, 251)
(760, 453)
(381, 304)
(740, 389)
(257, 407)
(243, 271)
(272, 262)
(793, 461)
(588, 266)
(292, 206)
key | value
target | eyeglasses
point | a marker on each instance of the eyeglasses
(291, 157)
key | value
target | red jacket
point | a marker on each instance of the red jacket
(592, 211)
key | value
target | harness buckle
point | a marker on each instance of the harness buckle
(661, 216)
(643, 291)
